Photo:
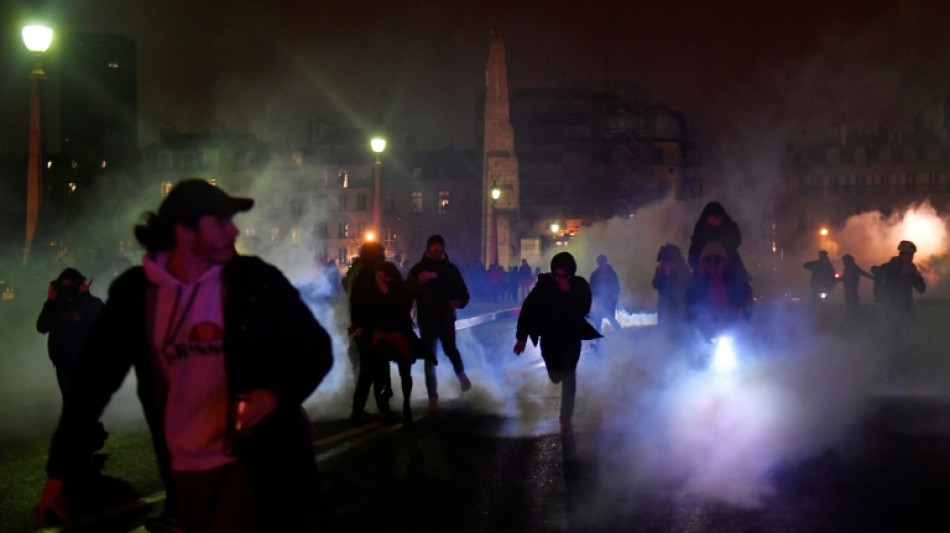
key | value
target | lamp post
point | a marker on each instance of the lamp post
(495, 195)
(378, 144)
(37, 39)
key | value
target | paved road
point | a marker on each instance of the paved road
(802, 438)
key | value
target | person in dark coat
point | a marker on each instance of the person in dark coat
(823, 276)
(439, 291)
(851, 278)
(392, 333)
(67, 316)
(225, 352)
(897, 281)
(555, 312)
(715, 225)
(605, 289)
(670, 279)
(718, 296)
(373, 367)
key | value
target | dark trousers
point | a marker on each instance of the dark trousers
(443, 331)
(560, 358)
(217, 500)
(386, 351)
(374, 372)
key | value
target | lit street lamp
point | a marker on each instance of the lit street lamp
(37, 39)
(495, 195)
(378, 144)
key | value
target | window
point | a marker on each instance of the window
(832, 155)
(860, 184)
(341, 202)
(296, 208)
(910, 183)
(166, 188)
(389, 204)
(343, 179)
(910, 155)
(341, 258)
(164, 161)
(188, 160)
(933, 180)
(209, 158)
(323, 230)
(833, 184)
(416, 201)
(859, 155)
(933, 153)
(884, 156)
(443, 202)
(343, 230)
(360, 229)
(361, 202)
(389, 236)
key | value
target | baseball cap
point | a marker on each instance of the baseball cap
(192, 199)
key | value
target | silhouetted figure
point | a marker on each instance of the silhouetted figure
(390, 326)
(525, 280)
(715, 225)
(823, 277)
(897, 280)
(850, 279)
(605, 289)
(67, 316)
(439, 291)
(373, 367)
(718, 296)
(670, 279)
(555, 312)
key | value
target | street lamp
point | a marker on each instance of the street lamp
(378, 144)
(37, 38)
(495, 195)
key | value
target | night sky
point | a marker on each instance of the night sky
(748, 75)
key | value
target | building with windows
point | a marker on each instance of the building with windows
(825, 181)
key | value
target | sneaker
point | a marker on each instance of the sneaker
(464, 382)
(361, 417)
(433, 405)
(164, 524)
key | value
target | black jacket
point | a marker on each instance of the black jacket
(548, 312)
(433, 296)
(67, 322)
(271, 341)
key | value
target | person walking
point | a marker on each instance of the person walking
(897, 280)
(391, 329)
(438, 289)
(66, 317)
(555, 312)
(605, 288)
(850, 279)
(823, 277)
(670, 279)
(225, 352)
(373, 368)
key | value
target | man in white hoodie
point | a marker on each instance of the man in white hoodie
(225, 352)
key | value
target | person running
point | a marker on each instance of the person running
(605, 288)
(555, 312)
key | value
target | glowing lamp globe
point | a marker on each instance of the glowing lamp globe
(378, 144)
(37, 37)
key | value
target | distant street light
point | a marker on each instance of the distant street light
(495, 195)
(37, 39)
(555, 227)
(378, 144)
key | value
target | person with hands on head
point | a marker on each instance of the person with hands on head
(555, 312)
(225, 352)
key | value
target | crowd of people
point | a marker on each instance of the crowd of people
(225, 350)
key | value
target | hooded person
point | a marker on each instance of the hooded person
(715, 225)
(718, 296)
(555, 313)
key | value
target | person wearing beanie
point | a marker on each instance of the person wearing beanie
(555, 313)
(225, 352)
(438, 289)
